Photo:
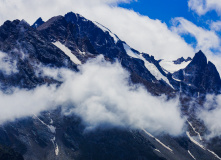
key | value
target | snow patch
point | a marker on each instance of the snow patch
(56, 149)
(201, 146)
(50, 127)
(130, 52)
(67, 51)
(214, 154)
(150, 66)
(195, 131)
(165, 146)
(176, 79)
(171, 67)
(79, 51)
(155, 72)
(194, 141)
(191, 155)
(107, 30)
(157, 150)
(53, 130)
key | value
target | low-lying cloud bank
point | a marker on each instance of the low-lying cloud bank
(100, 94)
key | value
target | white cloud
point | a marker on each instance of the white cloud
(216, 26)
(12, 9)
(210, 115)
(206, 39)
(7, 65)
(101, 95)
(140, 32)
(24, 103)
(201, 7)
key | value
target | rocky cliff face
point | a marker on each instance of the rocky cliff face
(28, 48)
(200, 75)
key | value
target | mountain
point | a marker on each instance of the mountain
(81, 35)
(181, 60)
(38, 22)
(70, 41)
(7, 153)
(200, 75)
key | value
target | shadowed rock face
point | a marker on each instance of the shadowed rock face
(28, 48)
(180, 60)
(200, 75)
(38, 22)
(31, 137)
(194, 72)
(9, 154)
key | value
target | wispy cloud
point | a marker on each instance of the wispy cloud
(210, 115)
(206, 39)
(215, 26)
(201, 7)
(7, 64)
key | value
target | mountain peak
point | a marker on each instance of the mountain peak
(200, 54)
(201, 74)
(73, 17)
(50, 22)
(199, 59)
(38, 22)
(181, 60)
(70, 17)
(11, 23)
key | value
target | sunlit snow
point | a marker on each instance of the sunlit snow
(107, 30)
(150, 66)
(171, 67)
(67, 51)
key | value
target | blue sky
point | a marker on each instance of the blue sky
(165, 10)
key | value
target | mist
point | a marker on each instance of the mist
(100, 94)
(210, 114)
(7, 64)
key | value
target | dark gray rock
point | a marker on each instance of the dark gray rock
(38, 22)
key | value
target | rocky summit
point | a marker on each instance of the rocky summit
(69, 41)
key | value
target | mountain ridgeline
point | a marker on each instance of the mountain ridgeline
(45, 43)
